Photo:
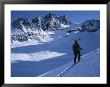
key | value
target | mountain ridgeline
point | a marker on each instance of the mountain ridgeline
(87, 26)
(37, 28)
(47, 22)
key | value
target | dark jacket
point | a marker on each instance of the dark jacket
(76, 48)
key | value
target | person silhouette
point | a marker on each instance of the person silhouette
(76, 49)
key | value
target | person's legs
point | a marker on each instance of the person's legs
(79, 57)
(75, 56)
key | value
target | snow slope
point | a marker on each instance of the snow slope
(36, 59)
(33, 58)
(88, 66)
(57, 47)
(36, 56)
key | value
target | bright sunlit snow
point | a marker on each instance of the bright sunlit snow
(38, 56)
(44, 47)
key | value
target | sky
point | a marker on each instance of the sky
(74, 16)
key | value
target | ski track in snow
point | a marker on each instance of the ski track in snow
(88, 66)
(92, 69)
(57, 49)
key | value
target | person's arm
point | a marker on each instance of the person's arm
(80, 47)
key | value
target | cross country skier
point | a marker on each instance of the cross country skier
(76, 49)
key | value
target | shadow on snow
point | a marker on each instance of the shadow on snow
(40, 47)
(34, 68)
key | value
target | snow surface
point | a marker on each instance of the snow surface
(38, 56)
(34, 58)
(64, 26)
(48, 38)
(55, 48)
(89, 66)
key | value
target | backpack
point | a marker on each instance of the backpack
(76, 46)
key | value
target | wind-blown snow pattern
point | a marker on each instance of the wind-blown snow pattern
(44, 47)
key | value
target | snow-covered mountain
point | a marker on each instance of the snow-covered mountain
(87, 26)
(44, 44)
(48, 22)
(37, 28)
(23, 30)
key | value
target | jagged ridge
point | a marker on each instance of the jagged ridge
(37, 28)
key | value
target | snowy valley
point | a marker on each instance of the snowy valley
(43, 47)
